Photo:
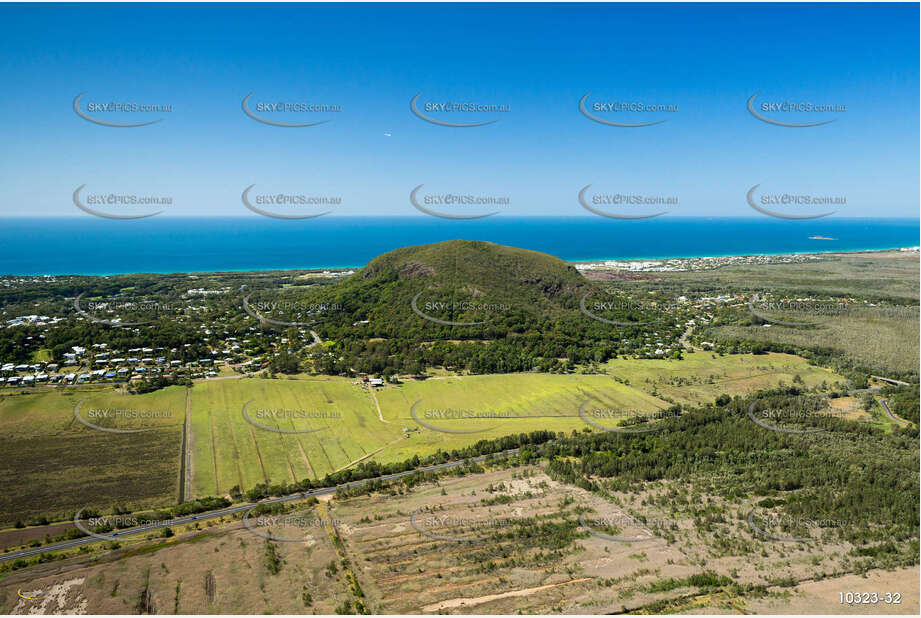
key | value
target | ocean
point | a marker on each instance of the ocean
(88, 246)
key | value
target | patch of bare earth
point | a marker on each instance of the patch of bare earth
(220, 571)
(823, 597)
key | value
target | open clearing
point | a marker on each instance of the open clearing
(490, 543)
(822, 597)
(221, 570)
(702, 376)
(344, 425)
(57, 465)
(53, 464)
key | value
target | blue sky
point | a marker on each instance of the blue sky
(537, 59)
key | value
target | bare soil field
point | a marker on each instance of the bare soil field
(822, 597)
(497, 542)
(15, 537)
(222, 570)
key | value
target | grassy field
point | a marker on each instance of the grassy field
(454, 412)
(884, 339)
(228, 450)
(497, 405)
(890, 274)
(53, 464)
(702, 376)
(58, 465)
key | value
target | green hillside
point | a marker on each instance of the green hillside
(473, 305)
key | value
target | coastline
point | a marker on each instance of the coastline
(321, 269)
(740, 255)
(97, 248)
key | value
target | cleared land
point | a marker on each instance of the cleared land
(885, 338)
(228, 450)
(53, 464)
(493, 406)
(502, 541)
(702, 376)
(57, 465)
(220, 570)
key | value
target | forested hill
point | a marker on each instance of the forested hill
(475, 305)
(458, 289)
(477, 263)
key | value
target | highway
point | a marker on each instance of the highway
(128, 532)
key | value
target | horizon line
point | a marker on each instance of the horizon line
(423, 217)
(910, 249)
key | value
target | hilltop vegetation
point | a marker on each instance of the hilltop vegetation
(493, 309)
(479, 307)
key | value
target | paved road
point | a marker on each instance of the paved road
(127, 532)
(683, 340)
(900, 421)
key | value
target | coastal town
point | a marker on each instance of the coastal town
(698, 264)
(226, 341)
